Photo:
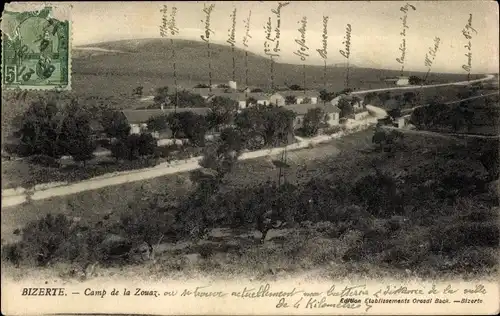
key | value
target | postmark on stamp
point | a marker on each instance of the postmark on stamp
(36, 47)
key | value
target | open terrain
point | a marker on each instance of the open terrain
(441, 231)
(98, 69)
(94, 204)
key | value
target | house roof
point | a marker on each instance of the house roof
(242, 96)
(206, 91)
(347, 97)
(142, 116)
(301, 109)
(299, 93)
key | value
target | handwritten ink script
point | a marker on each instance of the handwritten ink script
(467, 32)
(277, 30)
(232, 31)
(402, 46)
(347, 42)
(327, 297)
(168, 23)
(323, 52)
(431, 55)
(247, 29)
(208, 12)
(303, 49)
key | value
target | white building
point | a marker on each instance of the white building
(332, 113)
(403, 81)
(307, 97)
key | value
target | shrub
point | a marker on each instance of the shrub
(312, 121)
(332, 130)
(474, 260)
(134, 147)
(457, 236)
(150, 224)
(41, 241)
(119, 150)
(115, 124)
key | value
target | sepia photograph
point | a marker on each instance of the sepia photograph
(250, 157)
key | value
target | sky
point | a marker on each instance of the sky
(375, 35)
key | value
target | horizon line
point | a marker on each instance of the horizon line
(278, 62)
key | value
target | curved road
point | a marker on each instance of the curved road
(149, 173)
(460, 83)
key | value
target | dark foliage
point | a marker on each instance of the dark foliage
(192, 126)
(115, 124)
(263, 125)
(49, 130)
(290, 99)
(312, 122)
(414, 80)
(134, 146)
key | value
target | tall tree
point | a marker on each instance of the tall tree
(345, 107)
(222, 111)
(192, 125)
(115, 124)
(76, 133)
(221, 155)
(312, 121)
(138, 91)
(326, 96)
(290, 99)
(157, 123)
(40, 127)
(161, 95)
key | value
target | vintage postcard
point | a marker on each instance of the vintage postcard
(250, 158)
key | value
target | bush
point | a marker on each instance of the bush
(134, 146)
(115, 124)
(148, 225)
(312, 121)
(457, 236)
(332, 130)
(474, 260)
(381, 195)
(119, 150)
(41, 241)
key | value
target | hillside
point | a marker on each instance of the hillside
(113, 68)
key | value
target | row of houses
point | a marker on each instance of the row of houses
(304, 100)
(138, 118)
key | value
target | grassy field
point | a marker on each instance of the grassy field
(27, 173)
(115, 199)
(149, 64)
(447, 231)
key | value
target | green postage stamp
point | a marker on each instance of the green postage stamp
(36, 46)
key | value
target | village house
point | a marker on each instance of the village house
(332, 113)
(309, 96)
(137, 119)
(357, 102)
(403, 81)
(277, 99)
(399, 81)
(242, 97)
